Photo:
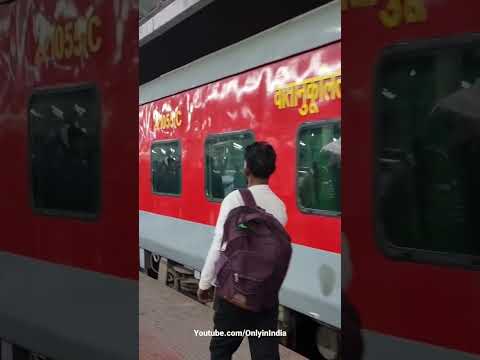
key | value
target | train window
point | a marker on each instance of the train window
(166, 168)
(224, 163)
(427, 151)
(64, 136)
(318, 168)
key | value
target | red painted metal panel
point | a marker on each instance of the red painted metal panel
(109, 60)
(432, 304)
(241, 102)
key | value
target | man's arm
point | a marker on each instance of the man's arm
(208, 272)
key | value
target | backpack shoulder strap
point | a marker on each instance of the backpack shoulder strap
(248, 198)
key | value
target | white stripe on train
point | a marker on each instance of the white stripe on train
(379, 347)
(312, 285)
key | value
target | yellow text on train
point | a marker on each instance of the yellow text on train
(165, 121)
(392, 13)
(307, 94)
(77, 38)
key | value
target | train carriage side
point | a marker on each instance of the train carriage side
(411, 111)
(191, 156)
(66, 144)
(61, 86)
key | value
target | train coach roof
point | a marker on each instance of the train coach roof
(316, 28)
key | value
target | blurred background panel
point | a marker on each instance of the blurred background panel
(69, 189)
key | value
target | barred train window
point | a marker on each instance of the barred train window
(318, 168)
(65, 151)
(166, 168)
(428, 151)
(224, 163)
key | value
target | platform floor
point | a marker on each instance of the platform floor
(167, 320)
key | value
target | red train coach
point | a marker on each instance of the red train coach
(67, 210)
(191, 156)
(411, 131)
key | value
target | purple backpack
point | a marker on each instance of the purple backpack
(254, 257)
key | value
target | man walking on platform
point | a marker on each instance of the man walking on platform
(248, 260)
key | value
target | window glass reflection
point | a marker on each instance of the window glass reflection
(166, 168)
(429, 147)
(65, 152)
(224, 164)
(318, 167)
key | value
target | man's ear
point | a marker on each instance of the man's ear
(247, 172)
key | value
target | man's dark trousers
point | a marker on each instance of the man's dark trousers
(229, 317)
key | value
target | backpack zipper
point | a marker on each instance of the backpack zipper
(237, 276)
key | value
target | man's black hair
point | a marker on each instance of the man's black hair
(260, 158)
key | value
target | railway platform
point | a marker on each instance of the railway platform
(167, 323)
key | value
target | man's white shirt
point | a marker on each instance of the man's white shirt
(265, 198)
